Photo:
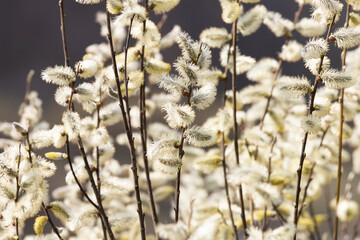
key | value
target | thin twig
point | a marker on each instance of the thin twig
(341, 119)
(235, 125)
(143, 131)
(226, 185)
(304, 141)
(54, 228)
(63, 33)
(127, 120)
(306, 189)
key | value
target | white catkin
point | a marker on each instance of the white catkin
(337, 80)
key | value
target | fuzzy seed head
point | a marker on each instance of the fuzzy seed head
(309, 27)
(178, 116)
(335, 79)
(55, 155)
(311, 124)
(71, 122)
(291, 52)
(163, 6)
(249, 22)
(293, 87)
(114, 6)
(58, 75)
(314, 48)
(277, 24)
(204, 96)
(347, 210)
(347, 37)
(215, 37)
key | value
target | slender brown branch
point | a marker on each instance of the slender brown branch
(67, 144)
(29, 78)
(341, 119)
(143, 131)
(304, 141)
(127, 121)
(306, 189)
(63, 33)
(227, 186)
(282, 219)
(54, 228)
(235, 125)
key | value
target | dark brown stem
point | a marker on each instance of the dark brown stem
(323, 136)
(235, 125)
(282, 219)
(227, 186)
(54, 228)
(143, 131)
(306, 189)
(63, 33)
(29, 145)
(29, 78)
(304, 141)
(94, 187)
(341, 119)
(67, 144)
(127, 122)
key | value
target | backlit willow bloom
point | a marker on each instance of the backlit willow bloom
(204, 96)
(58, 75)
(157, 67)
(88, 1)
(314, 48)
(200, 137)
(207, 163)
(347, 37)
(309, 27)
(215, 37)
(86, 68)
(313, 65)
(277, 24)
(230, 10)
(173, 84)
(337, 80)
(71, 122)
(167, 165)
(249, 22)
(114, 6)
(291, 52)
(131, 10)
(347, 210)
(162, 6)
(328, 7)
(264, 69)
(293, 87)
(311, 124)
(62, 95)
(178, 116)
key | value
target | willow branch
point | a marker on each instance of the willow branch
(341, 119)
(304, 141)
(63, 33)
(54, 228)
(127, 120)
